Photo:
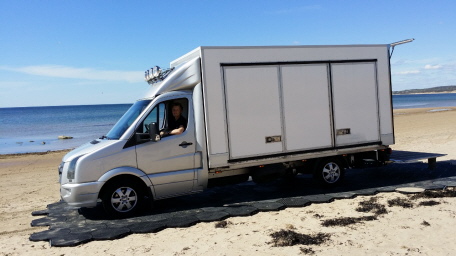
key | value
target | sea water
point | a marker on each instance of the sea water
(36, 129)
(424, 100)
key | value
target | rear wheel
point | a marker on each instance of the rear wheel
(123, 198)
(329, 172)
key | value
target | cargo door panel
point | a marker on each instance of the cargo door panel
(306, 105)
(355, 103)
(253, 110)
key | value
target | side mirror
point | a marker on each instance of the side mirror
(153, 132)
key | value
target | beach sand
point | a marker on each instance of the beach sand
(29, 182)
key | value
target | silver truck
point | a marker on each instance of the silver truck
(258, 112)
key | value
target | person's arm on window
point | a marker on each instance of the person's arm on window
(177, 131)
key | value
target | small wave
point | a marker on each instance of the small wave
(96, 125)
(438, 110)
(103, 125)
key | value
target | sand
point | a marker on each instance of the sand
(29, 182)
(426, 130)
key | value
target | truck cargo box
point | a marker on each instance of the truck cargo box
(274, 102)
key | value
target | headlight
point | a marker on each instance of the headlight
(72, 168)
(61, 167)
(61, 170)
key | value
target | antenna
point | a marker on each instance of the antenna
(392, 45)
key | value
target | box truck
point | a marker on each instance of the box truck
(244, 112)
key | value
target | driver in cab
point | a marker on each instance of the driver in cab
(177, 123)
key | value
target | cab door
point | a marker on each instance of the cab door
(169, 162)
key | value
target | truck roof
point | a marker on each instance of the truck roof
(198, 52)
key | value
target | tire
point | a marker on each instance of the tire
(123, 198)
(329, 172)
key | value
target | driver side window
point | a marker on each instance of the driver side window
(170, 118)
(157, 115)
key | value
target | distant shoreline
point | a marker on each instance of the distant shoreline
(431, 90)
(415, 93)
(3, 156)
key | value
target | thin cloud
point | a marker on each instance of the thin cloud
(78, 73)
(418, 62)
(408, 72)
(433, 66)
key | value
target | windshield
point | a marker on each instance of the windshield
(127, 119)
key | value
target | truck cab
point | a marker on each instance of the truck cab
(130, 163)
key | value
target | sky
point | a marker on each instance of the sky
(61, 52)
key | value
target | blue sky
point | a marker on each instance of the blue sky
(95, 52)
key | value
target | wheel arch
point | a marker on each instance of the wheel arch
(343, 159)
(127, 173)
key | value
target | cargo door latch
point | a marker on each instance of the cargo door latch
(343, 131)
(271, 139)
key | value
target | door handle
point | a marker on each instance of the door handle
(185, 144)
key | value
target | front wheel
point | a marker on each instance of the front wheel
(123, 198)
(329, 172)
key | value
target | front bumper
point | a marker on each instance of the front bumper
(81, 195)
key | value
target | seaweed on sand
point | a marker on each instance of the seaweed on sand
(290, 238)
(429, 203)
(435, 194)
(345, 221)
(307, 251)
(402, 202)
(222, 224)
(425, 223)
(371, 205)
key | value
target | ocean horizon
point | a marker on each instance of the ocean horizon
(36, 129)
